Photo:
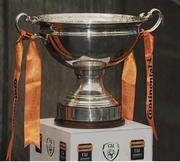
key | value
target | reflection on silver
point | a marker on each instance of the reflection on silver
(93, 33)
(89, 18)
(88, 43)
(90, 101)
(87, 59)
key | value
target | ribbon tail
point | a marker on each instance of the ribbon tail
(129, 87)
(32, 96)
(17, 72)
(149, 45)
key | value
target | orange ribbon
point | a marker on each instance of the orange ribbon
(129, 83)
(32, 96)
(149, 47)
(128, 87)
(32, 92)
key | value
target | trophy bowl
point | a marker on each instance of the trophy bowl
(89, 43)
(92, 35)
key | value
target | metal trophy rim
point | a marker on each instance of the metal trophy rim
(134, 19)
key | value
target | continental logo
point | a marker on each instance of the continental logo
(150, 89)
(137, 149)
(85, 152)
(62, 153)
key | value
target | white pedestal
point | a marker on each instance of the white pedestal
(133, 141)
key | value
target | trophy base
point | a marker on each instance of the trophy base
(89, 125)
(90, 105)
(87, 115)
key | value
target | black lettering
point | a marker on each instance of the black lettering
(149, 60)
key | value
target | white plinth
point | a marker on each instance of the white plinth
(133, 141)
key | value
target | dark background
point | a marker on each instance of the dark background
(58, 80)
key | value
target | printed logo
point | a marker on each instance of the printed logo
(150, 89)
(110, 151)
(50, 146)
(85, 152)
(137, 149)
(62, 151)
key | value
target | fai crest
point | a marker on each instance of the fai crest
(110, 151)
(50, 146)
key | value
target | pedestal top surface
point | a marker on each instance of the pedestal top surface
(127, 126)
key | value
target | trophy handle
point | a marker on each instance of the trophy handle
(150, 15)
(142, 16)
(32, 20)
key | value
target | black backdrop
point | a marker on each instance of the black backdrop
(57, 83)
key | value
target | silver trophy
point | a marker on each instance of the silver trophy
(89, 43)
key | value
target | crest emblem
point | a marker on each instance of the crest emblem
(110, 151)
(50, 146)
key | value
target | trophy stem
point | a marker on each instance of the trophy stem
(91, 105)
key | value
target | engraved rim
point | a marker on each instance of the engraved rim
(90, 18)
